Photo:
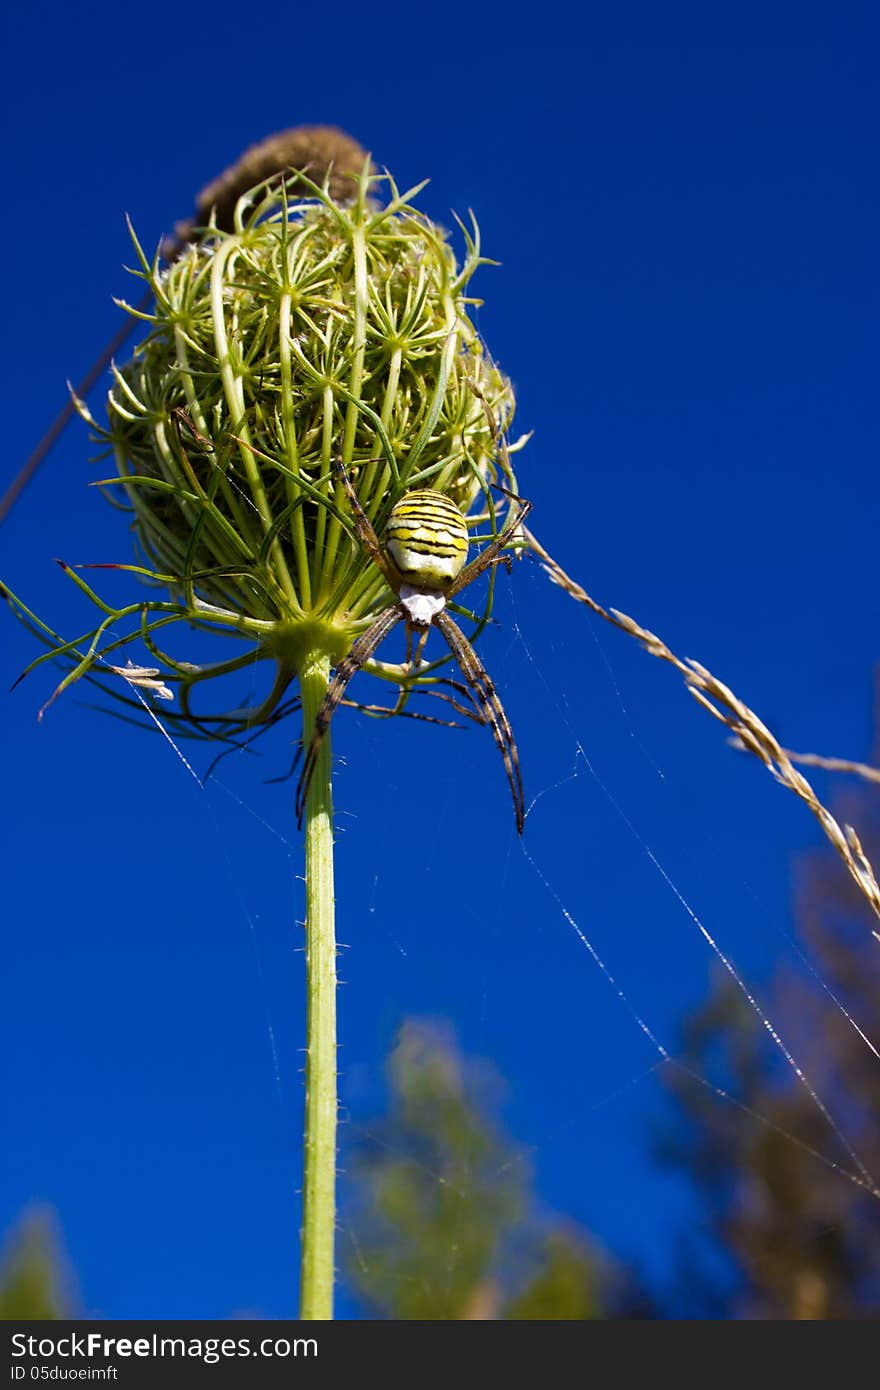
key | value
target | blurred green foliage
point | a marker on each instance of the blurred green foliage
(442, 1219)
(34, 1278)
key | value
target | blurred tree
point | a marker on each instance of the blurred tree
(803, 1241)
(566, 1284)
(441, 1214)
(34, 1277)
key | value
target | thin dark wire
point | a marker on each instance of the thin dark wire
(63, 418)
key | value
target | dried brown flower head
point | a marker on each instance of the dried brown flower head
(314, 150)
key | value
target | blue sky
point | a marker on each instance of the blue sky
(685, 206)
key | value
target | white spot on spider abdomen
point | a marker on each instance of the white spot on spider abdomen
(422, 605)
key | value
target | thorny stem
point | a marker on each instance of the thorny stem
(319, 1167)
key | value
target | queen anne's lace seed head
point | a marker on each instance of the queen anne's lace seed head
(320, 331)
(316, 330)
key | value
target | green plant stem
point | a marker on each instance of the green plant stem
(319, 1168)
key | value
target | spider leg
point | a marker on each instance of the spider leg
(360, 652)
(504, 560)
(486, 695)
(394, 712)
(366, 535)
(471, 710)
(421, 639)
(492, 552)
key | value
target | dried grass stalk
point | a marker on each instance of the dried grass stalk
(864, 770)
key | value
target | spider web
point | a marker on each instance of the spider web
(581, 799)
(568, 959)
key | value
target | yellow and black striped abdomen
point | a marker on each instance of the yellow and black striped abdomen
(427, 539)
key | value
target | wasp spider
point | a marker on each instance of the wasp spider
(423, 562)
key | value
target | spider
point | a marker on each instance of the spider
(423, 563)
